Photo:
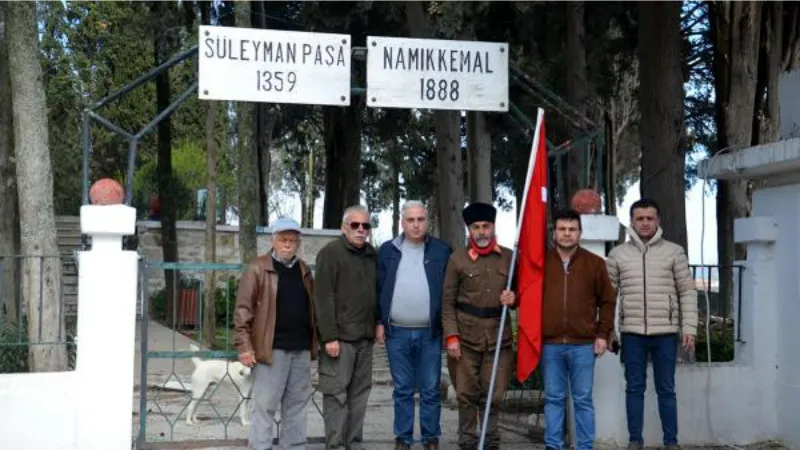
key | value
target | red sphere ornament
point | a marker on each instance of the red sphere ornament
(587, 201)
(106, 191)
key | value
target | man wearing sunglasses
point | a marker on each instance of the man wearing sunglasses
(346, 306)
(410, 275)
(473, 299)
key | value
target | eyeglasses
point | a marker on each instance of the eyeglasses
(355, 225)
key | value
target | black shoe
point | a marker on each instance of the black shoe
(400, 445)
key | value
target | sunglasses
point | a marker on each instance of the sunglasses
(355, 225)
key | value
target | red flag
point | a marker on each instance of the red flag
(531, 249)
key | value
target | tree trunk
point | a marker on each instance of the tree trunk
(342, 161)
(248, 164)
(766, 120)
(479, 154)
(577, 91)
(449, 169)
(41, 277)
(163, 47)
(450, 178)
(312, 187)
(209, 314)
(661, 102)
(248, 187)
(394, 148)
(9, 203)
(266, 116)
(662, 128)
(735, 27)
(309, 201)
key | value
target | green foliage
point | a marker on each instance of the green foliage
(13, 348)
(722, 340)
(224, 301)
(189, 170)
(14, 344)
(89, 50)
(298, 157)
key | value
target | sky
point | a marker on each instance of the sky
(506, 221)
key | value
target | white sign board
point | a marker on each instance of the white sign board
(274, 66)
(437, 74)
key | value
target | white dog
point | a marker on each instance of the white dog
(208, 372)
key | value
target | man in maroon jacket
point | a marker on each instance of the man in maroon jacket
(577, 322)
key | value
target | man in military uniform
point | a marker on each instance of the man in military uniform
(473, 299)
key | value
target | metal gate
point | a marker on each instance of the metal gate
(165, 367)
(166, 336)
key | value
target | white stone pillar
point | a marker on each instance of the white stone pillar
(759, 302)
(761, 311)
(106, 329)
(597, 230)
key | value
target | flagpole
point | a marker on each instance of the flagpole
(531, 164)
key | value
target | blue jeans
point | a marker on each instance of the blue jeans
(415, 360)
(574, 363)
(663, 352)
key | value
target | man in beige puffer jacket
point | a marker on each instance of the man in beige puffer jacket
(657, 310)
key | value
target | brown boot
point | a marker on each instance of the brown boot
(433, 444)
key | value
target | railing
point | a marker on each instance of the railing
(725, 325)
(38, 333)
(178, 320)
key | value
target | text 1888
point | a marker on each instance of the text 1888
(432, 89)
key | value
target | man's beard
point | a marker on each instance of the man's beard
(483, 242)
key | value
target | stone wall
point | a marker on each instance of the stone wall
(192, 245)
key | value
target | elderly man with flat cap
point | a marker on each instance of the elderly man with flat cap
(473, 299)
(274, 333)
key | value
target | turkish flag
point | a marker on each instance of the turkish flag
(531, 250)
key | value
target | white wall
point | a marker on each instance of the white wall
(89, 408)
(783, 204)
(736, 399)
(38, 411)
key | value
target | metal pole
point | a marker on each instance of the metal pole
(110, 125)
(146, 77)
(132, 147)
(168, 110)
(531, 164)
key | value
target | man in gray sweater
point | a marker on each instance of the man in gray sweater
(411, 272)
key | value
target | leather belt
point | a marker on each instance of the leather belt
(476, 311)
